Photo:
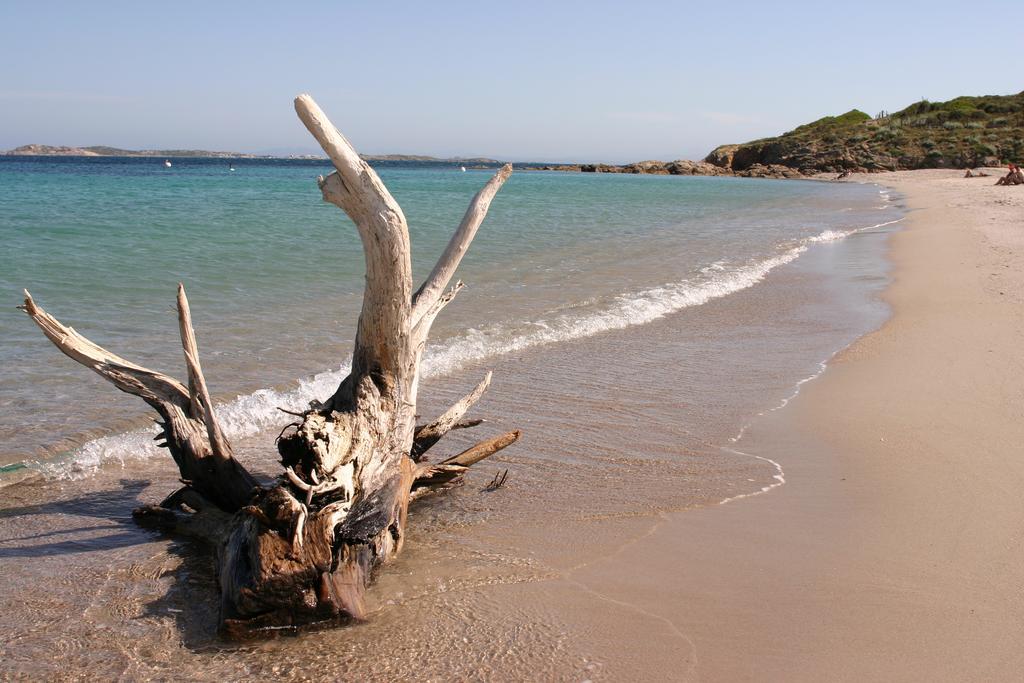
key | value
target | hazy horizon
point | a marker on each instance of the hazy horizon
(533, 82)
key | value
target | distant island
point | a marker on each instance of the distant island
(104, 151)
(413, 157)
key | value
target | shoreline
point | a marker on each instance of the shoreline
(895, 551)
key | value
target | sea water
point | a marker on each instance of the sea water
(275, 275)
(635, 324)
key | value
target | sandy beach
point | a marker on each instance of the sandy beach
(895, 551)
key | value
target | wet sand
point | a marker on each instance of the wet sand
(895, 551)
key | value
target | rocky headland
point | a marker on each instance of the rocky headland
(965, 132)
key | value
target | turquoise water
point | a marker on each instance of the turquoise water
(274, 275)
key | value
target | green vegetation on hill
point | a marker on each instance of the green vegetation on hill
(962, 133)
(832, 125)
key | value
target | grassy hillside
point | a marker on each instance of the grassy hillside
(961, 133)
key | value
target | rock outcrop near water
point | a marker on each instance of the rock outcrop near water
(677, 167)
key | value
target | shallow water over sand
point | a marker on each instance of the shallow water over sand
(629, 400)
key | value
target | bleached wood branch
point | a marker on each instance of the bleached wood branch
(153, 387)
(421, 330)
(199, 394)
(191, 349)
(383, 331)
(209, 468)
(431, 289)
(462, 424)
(484, 449)
(429, 434)
(357, 176)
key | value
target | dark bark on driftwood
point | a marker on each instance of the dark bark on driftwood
(301, 552)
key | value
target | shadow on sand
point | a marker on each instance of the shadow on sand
(37, 531)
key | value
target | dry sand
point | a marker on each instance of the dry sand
(895, 551)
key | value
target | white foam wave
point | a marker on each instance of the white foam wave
(625, 311)
(779, 478)
(256, 412)
(829, 236)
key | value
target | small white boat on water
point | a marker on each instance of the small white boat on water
(167, 163)
(463, 168)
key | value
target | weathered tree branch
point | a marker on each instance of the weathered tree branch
(484, 449)
(152, 387)
(219, 478)
(186, 513)
(429, 434)
(461, 424)
(449, 471)
(444, 269)
(199, 394)
(382, 337)
(421, 330)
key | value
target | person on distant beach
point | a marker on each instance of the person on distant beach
(1013, 177)
(968, 174)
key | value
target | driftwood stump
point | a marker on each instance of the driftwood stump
(302, 551)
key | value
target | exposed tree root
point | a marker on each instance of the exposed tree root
(301, 552)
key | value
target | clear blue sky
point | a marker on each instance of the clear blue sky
(580, 81)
